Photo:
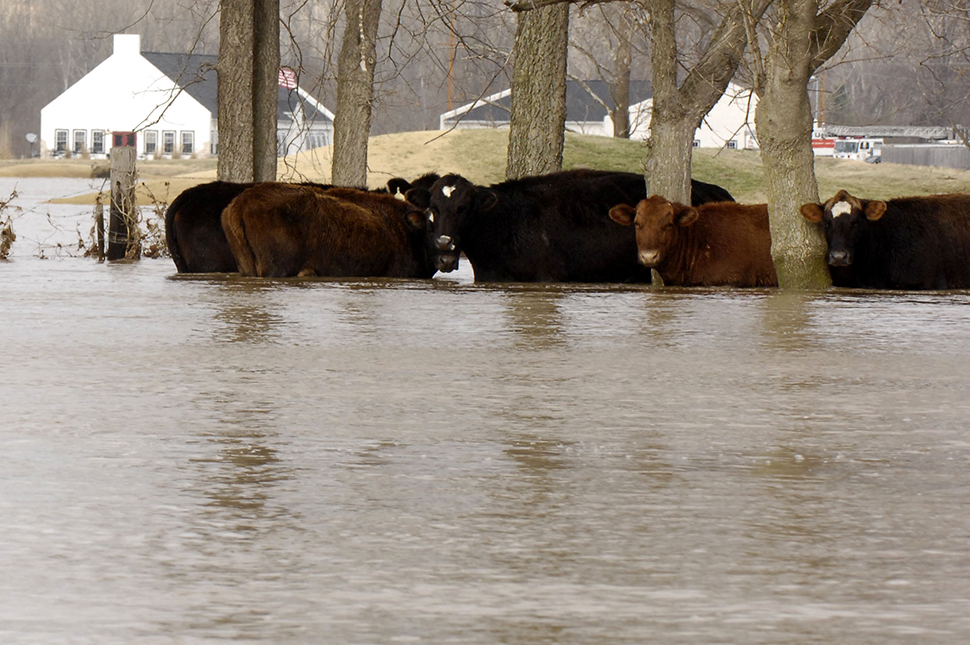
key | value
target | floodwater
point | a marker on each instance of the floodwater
(309, 461)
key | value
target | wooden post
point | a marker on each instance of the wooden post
(123, 224)
(99, 226)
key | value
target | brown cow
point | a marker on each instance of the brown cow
(278, 230)
(715, 244)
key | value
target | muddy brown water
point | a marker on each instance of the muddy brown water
(222, 459)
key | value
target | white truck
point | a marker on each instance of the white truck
(869, 150)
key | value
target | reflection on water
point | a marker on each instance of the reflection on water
(195, 459)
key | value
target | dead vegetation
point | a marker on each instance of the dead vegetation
(7, 236)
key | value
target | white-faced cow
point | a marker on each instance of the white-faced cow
(715, 244)
(548, 228)
(279, 230)
(902, 243)
(193, 226)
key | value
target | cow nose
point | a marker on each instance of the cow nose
(446, 263)
(649, 258)
(445, 243)
(839, 259)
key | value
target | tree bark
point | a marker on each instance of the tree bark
(355, 92)
(538, 119)
(801, 40)
(249, 61)
(620, 85)
(671, 135)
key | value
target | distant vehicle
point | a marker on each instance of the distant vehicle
(823, 146)
(869, 150)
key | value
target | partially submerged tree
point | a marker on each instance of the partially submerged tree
(800, 37)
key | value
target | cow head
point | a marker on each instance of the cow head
(420, 236)
(450, 202)
(658, 223)
(398, 186)
(843, 219)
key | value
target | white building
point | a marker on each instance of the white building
(586, 109)
(730, 123)
(169, 102)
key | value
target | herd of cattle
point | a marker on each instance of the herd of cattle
(571, 226)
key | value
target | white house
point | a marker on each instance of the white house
(169, 102)
(730, 123)
(586, 109)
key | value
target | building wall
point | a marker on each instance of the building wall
(730, 120)
(125, 93)
(939, 155)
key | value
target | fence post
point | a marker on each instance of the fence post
(123, 234)
(99, 226)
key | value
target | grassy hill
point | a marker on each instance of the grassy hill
(480, 155)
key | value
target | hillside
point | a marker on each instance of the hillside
(480, 156)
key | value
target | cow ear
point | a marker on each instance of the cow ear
(686, 217)
(812, 212)
(420, 197)
(874, 210)
(623, 214)
(416, 219)
(485, 199)
(398, 185)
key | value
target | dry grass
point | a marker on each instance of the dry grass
(480, 155)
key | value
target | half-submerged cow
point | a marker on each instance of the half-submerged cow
(280, 230)
(193, 225)
(548, 228)
(716, 244)
(902, 243)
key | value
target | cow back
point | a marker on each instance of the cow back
(730, 245)
(918, 243)
(280, 230)
(193, 228)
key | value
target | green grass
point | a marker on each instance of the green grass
(480, 155)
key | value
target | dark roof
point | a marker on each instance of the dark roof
(196, 74)
(580, 106)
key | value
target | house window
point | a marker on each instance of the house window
(97, 142)
(317, 139)
(80, 141)
(188, 142)
(697, 143)
(213, 142)
(168, 141)
(151, 141)
(60, 141)
(732, 144)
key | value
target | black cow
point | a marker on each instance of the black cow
(548, 228)
(902, 243)
(193, 225)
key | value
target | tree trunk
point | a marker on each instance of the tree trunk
(671, 130)
(679, 109)
(801, 40)
(249, 61)
(784, 124)
(538, 120)
(620, 86)
(355, 92)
